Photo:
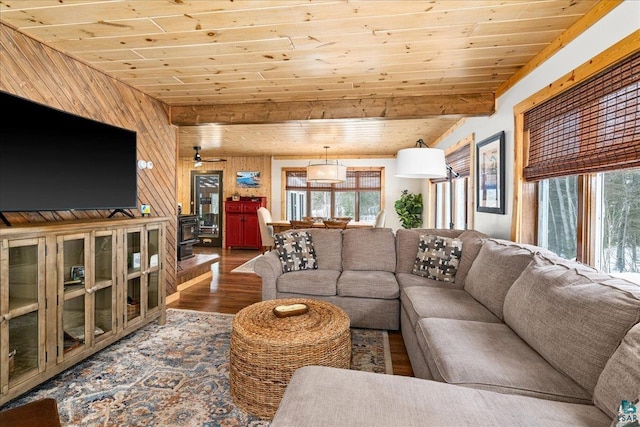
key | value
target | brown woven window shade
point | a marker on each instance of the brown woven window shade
(356, 180)
(592, 127)
(460, 162)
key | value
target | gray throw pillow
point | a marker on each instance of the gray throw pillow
(438, 257)
(295, 250)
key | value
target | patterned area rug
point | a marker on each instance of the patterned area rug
(171, 375)
(247, 267)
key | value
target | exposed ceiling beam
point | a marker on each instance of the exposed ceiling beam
(407, 107)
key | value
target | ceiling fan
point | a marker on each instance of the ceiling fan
(198, 159)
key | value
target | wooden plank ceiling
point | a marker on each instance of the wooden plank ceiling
(285, 78)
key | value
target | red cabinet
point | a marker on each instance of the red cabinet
(241, 222)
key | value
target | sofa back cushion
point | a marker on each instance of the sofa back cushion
(328, 246)
(407, 249)
(369, 249)
(497, 266)
(620, 379)
(574, 316)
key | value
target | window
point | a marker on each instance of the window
(359, 197)
(579, 189)
(558, 215)
(460, 204)
(459, 158)
(617, 223)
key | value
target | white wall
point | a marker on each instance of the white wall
(393, 186)
(618, 24)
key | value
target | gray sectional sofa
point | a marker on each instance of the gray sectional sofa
(519, 337)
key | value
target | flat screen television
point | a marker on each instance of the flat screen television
(51, 160)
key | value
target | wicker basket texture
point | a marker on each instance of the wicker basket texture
(266, 349)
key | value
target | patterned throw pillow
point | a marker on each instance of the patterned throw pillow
(438, 257)
(295, 249)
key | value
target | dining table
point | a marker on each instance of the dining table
(280, 226)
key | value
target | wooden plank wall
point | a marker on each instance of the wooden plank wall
(229, 169)
(34, 71)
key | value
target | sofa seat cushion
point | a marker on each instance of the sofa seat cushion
(491, 356)
(368, 284)
(574, 316)
(309, 282)
(422, 302)
(406, 280)
(332, 397)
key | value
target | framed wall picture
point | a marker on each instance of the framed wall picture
(248, 179)
(490, 174)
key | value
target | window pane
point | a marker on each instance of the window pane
(345, 204)
(460, 203)
(321, 204)
(296, 204)
(618, 250)
(441, 203)
(558, 215)
(369, 205)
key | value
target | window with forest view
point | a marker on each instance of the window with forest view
(618, 223)
(558, 215)
(359, 197)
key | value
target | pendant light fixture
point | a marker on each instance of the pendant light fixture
(326, 172)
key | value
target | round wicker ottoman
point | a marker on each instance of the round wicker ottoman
(266, 349)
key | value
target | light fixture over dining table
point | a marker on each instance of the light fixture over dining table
(326, 172)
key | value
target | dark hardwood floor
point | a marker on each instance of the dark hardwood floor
(230, 292)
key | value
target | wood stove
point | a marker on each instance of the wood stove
(187, 235)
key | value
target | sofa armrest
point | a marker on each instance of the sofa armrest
(269, 268)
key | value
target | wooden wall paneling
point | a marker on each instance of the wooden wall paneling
(34, 71)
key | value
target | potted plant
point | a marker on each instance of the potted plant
(409, 209)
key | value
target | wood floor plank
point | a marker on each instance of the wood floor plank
(228, 292)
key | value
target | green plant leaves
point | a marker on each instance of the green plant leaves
(409, 209)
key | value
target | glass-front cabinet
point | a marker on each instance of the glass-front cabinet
(68, 290)
(22, 311)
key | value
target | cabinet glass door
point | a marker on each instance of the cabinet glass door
(74, 281)
(153, 268)
(206, 203)
(103, 290)
(22, 310)
(133, 287)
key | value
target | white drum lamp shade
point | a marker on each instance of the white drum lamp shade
(421, 162)
(326, 172)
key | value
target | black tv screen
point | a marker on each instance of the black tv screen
(53, 160)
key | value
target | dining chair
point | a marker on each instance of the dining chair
(380, 219)
(335, 224)
(296, 224)
(266, 231)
